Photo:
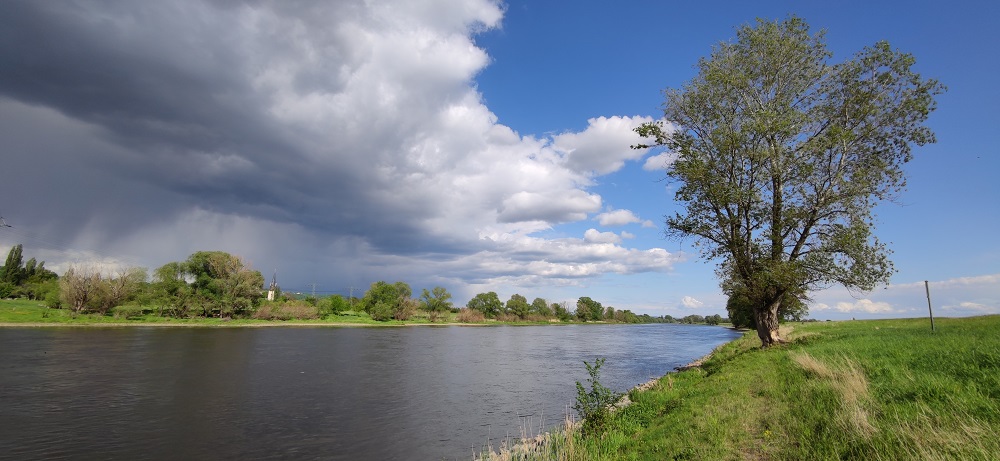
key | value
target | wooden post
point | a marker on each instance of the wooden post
(927, 288)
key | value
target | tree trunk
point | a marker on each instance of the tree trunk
(767, 323)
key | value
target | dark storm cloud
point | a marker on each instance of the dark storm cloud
(178, 104)
(341, 138)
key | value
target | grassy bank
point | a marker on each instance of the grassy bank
(873, 390)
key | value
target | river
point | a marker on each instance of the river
(424, 393)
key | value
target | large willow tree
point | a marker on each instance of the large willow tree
(782, 155)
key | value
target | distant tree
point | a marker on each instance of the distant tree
(406, 308)
(403, 290)
(436, 300)
(384, 301)
(225, 283)
(561, 313)
(609, 313)
(693, 318)
(541, 307)
(518, 305)
(380, 292)
(487, 303)
(713, 319)
(38, 282)
(25, 279)
(739, 307)
(380, 311)
(626, 316)
(238, 284)
(81, 288)
(336, 305)
(123, 286)
(782, 157)
(171, 289)
(588, 309)
(12, 271)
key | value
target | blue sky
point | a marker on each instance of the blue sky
(463, 143)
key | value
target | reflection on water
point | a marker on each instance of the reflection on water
(309, 393)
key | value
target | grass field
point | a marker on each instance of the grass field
(867, 390)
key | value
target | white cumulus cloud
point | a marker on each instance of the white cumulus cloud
(691, 303)
(603, 147)
(617, 218)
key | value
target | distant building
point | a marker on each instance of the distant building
(273, 290)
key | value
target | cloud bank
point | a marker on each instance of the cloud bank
(960, 296)
(335, 142)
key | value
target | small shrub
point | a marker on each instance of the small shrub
(381, 311)
(467, 315)
(435, 316)
(335, 305)
(406, 308)
(508, 318)
(53, 300)
(594, 405)
(128, 312)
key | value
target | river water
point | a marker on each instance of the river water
(425, 393)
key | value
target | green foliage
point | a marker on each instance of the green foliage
(128, 311)
(335, 305)
(436, 300)
(541, 307)
(13, 271)
(384, 301)
(594, 405)
(20, 279)
(487, 303)
(588, 309)
(222, 283)
(561, 313)
(518, 305)
(782, 156)
(7, 290)
(692, 319)
(380, 311)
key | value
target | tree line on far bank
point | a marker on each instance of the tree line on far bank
(216, 284)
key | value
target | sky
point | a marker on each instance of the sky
(469, 144)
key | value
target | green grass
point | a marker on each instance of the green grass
(867, 390)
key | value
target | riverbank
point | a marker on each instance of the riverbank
(27, 313)
(880, 389)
